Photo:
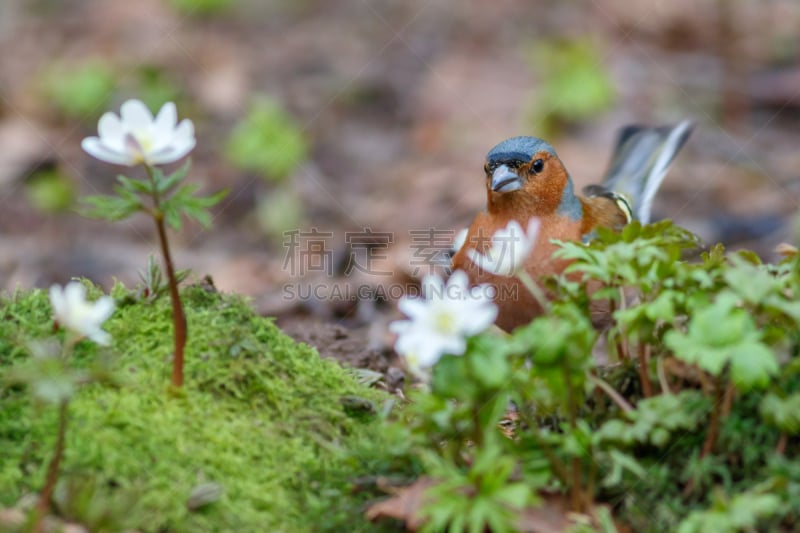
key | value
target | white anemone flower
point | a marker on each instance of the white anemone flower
(73, 312)
(136, 137)
(440, 322)
(511, 246)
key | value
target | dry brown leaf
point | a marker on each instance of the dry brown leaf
(552, 516)
(405, 505)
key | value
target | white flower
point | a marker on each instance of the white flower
(136, 137)
(440, 323)
(510, 248)
(72, 311)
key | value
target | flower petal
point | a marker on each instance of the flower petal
(533, 230)
(162, 130)
(135, 115)
(433, 287)
(479, 319)
(111, 131)
(95, 148)
(414, 308)
(74, 293)
(57, 300)
(181, 143)
(481, 261)
(459, 281)
(99, 336)
(103, 309)
(166, 119)
(459, 239)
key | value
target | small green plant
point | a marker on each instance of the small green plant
(269, 436)
(50, 191)
(51, 376)
(268, 141)
(155, 86)
(80, 91)
(201, 7)
(573, 84)
(708, 353)
(136, 138)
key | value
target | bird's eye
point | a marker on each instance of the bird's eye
(538, 166)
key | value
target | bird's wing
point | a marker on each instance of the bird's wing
(640, 161)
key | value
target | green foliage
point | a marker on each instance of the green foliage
(722, 335)
(574, 85)
(155, 87)
(171, 199)
(268, 141)
(485, 495)
(50, 191)
(153, 285)
(257, 440)
(656, 420)
(80, 91)
(280, 211)
(201, 7)
(783, 413)
(691, 428)
(739, 513)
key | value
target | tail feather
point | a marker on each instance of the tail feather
(640, 161)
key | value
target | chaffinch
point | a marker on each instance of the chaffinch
(525, 178)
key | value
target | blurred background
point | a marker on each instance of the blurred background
(356, 115)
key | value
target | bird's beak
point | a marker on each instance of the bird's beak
(505, 180)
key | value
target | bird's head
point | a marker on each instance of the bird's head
(525, 174)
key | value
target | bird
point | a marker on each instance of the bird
(525, 178)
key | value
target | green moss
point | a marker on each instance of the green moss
(259, 414)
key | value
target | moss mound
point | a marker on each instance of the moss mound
(260, 415)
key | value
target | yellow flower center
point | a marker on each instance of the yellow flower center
(444, 322)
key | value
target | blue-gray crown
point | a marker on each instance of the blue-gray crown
(517, 149)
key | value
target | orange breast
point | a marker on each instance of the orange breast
(516, 305)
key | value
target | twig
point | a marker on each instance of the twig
(616, 397)
(782, 442)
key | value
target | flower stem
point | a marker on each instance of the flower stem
(534, 289)
(178, 316)
(43, 503)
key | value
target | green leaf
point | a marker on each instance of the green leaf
(183, 202)
(135, 186)
(783, 413)
(752, 366)
(112, 208)
(752, 283)
(165, 184)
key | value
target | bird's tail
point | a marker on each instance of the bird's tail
(640, 161)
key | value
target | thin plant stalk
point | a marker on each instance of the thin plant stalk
(43, 503)
(534, 288)
(178, 316)
(576, 491)
(616, 397)
(643, 353)
(713, 427)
